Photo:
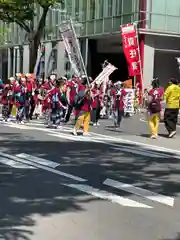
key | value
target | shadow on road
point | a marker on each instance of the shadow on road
(26, 193)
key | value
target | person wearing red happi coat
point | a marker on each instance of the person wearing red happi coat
(97, 98)
(71, 92)
(119, 94)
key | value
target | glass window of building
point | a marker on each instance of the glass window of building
(173, 8)
(63, 13)
(84, 10)
(109, 8)
(158, 22)
(127, 6)
(118, 7)
(99, 9)
(92, 6)
(68, 7)
(57, 19)
(50, 18)
(159, 6)
(77, 9)
(172, 24)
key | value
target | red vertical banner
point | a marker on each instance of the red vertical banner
(131, 51)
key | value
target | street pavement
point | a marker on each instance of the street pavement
(114, 184)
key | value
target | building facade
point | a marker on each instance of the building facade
(162, 44)
(97, 24)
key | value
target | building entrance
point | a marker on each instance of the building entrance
(101, 50)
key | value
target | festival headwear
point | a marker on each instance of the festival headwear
(23, 79)
(18, 74)
(155, 83)
(11, 78)
(52, 77)
(27, 75)
(118, 83)
(173, 81)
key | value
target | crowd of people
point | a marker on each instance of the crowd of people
(57, 99)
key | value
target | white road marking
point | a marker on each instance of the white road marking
(68, 137)
(6, 173)
(148, 147)
(19, 126)
(140, 152)
(23, 161)
(140, 192)
(31, 124)
(38, 160)
(101, 140)
(145, 121)
(74, 138)
(14, 164)
(107, 196)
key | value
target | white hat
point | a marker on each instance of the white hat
(23, 79)
(53, 77)
(18, 74)
(118, 83)
(27, 74)
(11, 78)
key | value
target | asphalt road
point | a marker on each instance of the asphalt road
(114, 184)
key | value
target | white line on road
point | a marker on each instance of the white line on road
(140, 192)
(15, 125)
(145, 121)
(141, 152)
(74, 138)
(107, 196)
(146, 146)
(19, 160)
(68, 137)
(107, 138)
(14, 164)
(38, 160)
(101, 140)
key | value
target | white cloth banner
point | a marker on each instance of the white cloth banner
(129, 101)
(106, 72)
(105, 83)
(72, 48)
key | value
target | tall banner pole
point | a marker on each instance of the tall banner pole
(140, 63)
(131, 49)
(79, 50)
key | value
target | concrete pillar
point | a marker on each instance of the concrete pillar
(25, 58)
(9, 62)
(48, 49)
(60, 59)
(148, 65)
(18, 60)
(14, 61)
